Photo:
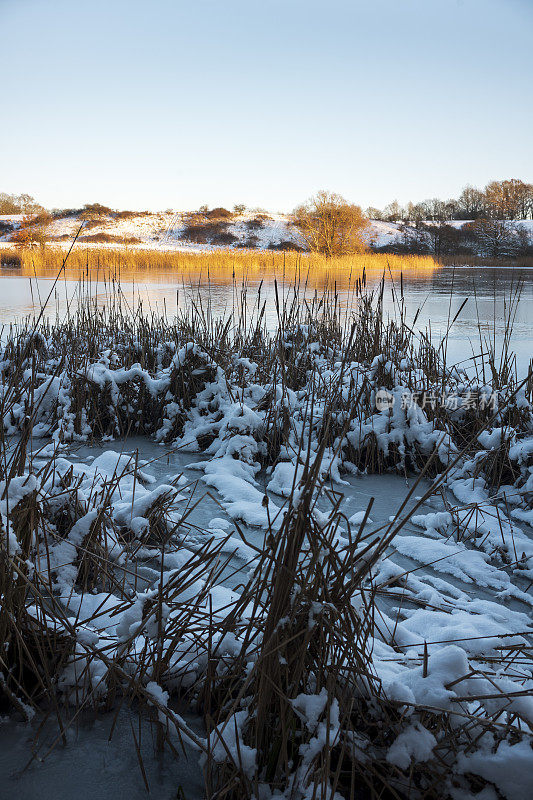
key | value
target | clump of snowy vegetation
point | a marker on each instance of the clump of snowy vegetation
(331, 668)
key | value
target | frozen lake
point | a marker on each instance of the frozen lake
(100, 746)
(455, 580)
(437, 295)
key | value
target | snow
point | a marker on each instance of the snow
(166, 230)
(460, 626)
(358, 517)
(469, 566)
(310, 707)
(414, 743)
(227, 743)
(159, 694)
(509, 767)
(454, 584)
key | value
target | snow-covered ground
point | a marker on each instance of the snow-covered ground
(206, 495)
(166, 230)
(454, 597)
(450, 593)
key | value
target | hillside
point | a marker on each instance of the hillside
(167, 230)
(216, 229)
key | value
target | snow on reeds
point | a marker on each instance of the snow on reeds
(332, 671)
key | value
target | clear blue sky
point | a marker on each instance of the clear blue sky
(167, 103)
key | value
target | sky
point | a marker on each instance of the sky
(159, 104)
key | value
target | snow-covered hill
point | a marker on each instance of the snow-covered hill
(168, 230)
(190, 231)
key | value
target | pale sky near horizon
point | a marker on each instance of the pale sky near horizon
(165, 103)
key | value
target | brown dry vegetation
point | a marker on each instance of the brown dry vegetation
(307, 614)
(220, 213)
(109, 238)
(330, 225)
(220, 264)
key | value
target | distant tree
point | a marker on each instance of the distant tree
(28, 204)
(18, 204)
(8, 204)
(393, 212)
(509, 199)
(203, 209)
(239, 208)
(493, 237)
(330, 225)
(451, 208)
(526, 202)
(503, 200)
(91, 210)
(437, 210)
(471, 203)
(442, 238)
(524, 241)
(408, 239)
(496, 201)
(415, 212)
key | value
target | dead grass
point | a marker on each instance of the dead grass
(220, 265)
(10, 258)
(220, 213)
(109, 238)
(306, 616)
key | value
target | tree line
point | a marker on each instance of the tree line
(501, 200)
(334, 227)
(510, 199)
(18, 204)
(489, 238)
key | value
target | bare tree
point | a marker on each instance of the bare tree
(494, 237)
(510, 199)
(18, 204)
(394, 212)
(503, 200)
(415, 212)
(330, 225)
(471, 203)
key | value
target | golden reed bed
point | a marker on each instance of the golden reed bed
(216, 266)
